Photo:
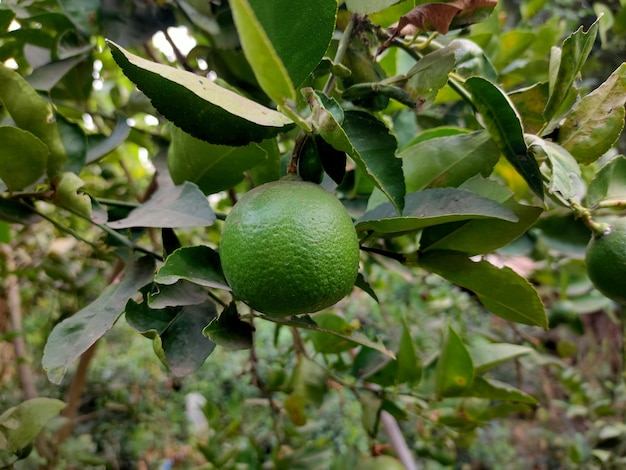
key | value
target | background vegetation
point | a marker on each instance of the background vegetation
(295, 398)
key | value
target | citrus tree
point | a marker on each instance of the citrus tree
(292, 154)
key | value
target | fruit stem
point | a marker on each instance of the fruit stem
(620, 204)
(342, 47)
(292, 166)
(597, 229)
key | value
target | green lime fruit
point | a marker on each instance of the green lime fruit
(289, 247)
(606, 261)
(382, 462)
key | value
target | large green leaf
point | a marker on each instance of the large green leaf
(597, 121)
(504, 292)
(448, 160)
(284, 40)
(197, 264)
(455, 370)
(32, 113)
(73, 336)
(24, 158)
(176, 333)
(176, 206)
(479, 236)
(199, 106)
(505, 126)
(565, 66)
(213, 168)
(20, 424)
(432, 207)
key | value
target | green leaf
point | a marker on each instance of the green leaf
(331, 344)
(432, 207)
(455, 370)
(479, 236)
(309, 387)
(269, 169)
(495, 390)
(99, 145)
(176, 333)
(176, 206)
(46, 77)
(366, 7)
(197, 264)
(429, 75)
(22, 423)
(83, 14)
(371, 406)
(504, 292)
(229, 331)
(75, 144)
(66, 195)
(489, 355)
(199, 106)
(32, 113)
(609, 183)
(284, 40)
(530, 103)
(213, 168)
(268, 68)
(565, 65)
(373, 367)
(471, 60)
(505, 127)
(175, 295)
(18, 212)
(74, 335)
(448, 160)
(364, 138)
(6, 18)
(308, 323)
(596, 122)
(565, 177)
(409, 369)
(24, 158)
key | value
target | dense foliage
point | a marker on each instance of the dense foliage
(477, 146)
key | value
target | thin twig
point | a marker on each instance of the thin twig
(14, 301)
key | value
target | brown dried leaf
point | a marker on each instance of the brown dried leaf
(436, 17)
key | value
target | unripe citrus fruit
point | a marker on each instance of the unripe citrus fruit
(289, 247)
(606, 261)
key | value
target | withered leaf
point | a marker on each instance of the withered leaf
(439, 17)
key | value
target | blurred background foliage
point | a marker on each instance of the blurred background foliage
(134, 414)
